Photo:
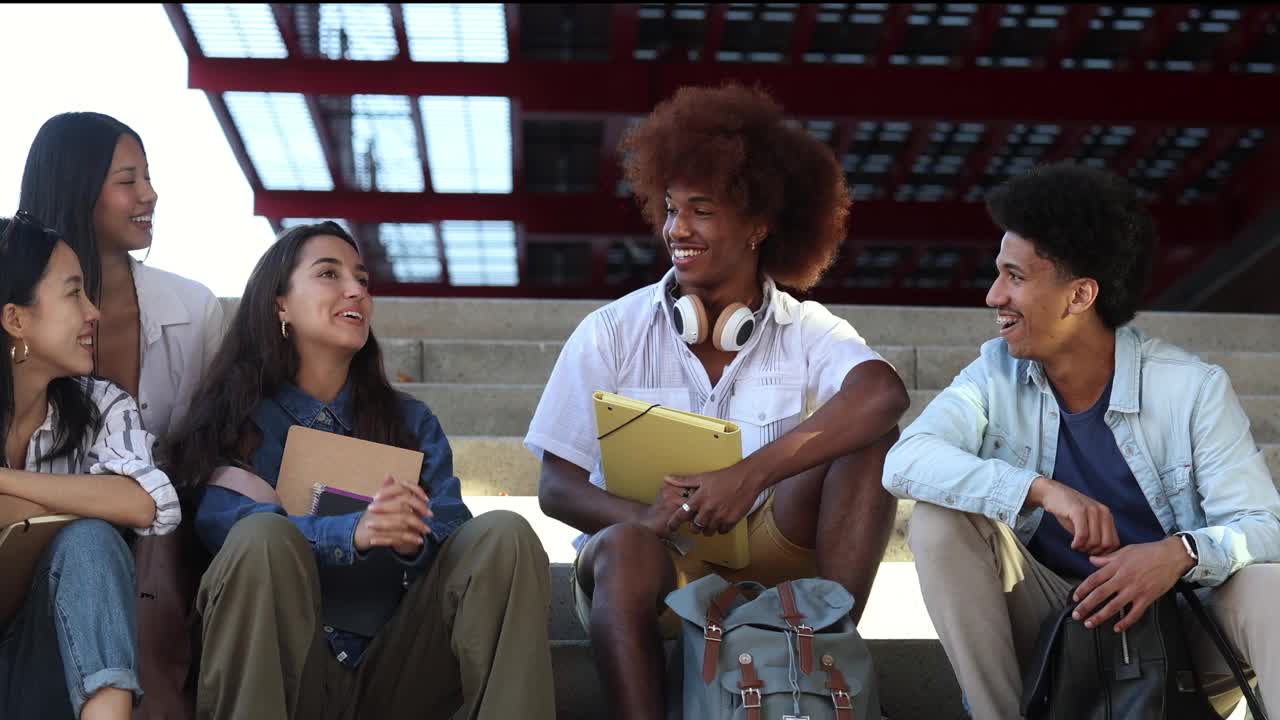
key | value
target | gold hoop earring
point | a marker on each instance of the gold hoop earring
(284, 329)
(13, 353)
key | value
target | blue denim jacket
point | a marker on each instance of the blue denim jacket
(333, 537)
(1181, 429)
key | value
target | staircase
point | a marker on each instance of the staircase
(481, 364)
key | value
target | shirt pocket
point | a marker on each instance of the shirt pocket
(765, 412)
(1175, 478)
(1000, 444)
(676, 398)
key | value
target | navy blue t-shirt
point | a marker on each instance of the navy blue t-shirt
(1090, 462)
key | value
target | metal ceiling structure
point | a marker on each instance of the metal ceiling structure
(472, 148)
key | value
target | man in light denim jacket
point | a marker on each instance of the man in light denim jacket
(1076, 448)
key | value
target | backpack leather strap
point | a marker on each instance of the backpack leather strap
(793, 617)
(839, 689)
(713, 632)
(749, 686)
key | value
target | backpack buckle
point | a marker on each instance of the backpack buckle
(750, 698)
(841, 700)
(713, 633)
(804, 630)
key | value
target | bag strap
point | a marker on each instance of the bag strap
(795, 619)
(713, 632)
(749, 686)
(1220, 640)
(245, 483)
(839, 689)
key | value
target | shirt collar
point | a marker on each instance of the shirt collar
(1126, 382)
(306, 409)
(156, 308)
(773, 297)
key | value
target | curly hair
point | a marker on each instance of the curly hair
(736, 141)
(1090, 223)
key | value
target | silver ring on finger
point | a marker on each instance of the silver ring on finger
(685, 507)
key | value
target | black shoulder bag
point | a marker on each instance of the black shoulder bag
(1144, 673)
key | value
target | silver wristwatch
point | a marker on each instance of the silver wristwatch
(1189, 543)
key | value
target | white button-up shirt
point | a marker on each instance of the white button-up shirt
(181, 330)
(795, 361)
(118, 445)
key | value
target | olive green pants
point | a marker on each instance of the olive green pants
(470, 634)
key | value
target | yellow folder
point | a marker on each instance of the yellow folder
(641, 443)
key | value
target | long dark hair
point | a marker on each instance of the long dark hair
(255, 360)
(25, 249)
(66, 168)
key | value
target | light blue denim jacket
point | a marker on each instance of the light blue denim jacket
(1181, 429)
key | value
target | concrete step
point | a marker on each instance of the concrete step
(501, 465)
(529, 362)
(483, 319)
(474, 409)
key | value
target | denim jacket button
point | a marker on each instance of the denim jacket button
(951, 499)
(337, 554)
(328, 628)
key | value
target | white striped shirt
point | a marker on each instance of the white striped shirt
(794, 363)
(116, 446)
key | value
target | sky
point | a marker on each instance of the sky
(126, 61)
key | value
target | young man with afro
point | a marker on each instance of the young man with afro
(744, 204)
(1079, 460)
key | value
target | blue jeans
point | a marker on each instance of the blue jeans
(77, 632)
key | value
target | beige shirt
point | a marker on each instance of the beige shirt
(182, 325)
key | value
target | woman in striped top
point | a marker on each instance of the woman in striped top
(74, 445)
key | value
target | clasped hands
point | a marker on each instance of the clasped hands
(395, 518)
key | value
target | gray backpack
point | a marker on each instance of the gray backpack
(792, 652)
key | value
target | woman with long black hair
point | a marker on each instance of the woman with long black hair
(72, 444)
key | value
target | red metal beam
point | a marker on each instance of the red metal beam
(1246, 33)
(623, 32)
(1138, 148)
(512, 11)
(598, 214)
(917, 143)
(397, 26)
(283, 13)
(1073, 28)
(802, 31)
(444, 258)
(1218, 142)
(1255, 186)
(902, 93)
(714, 36)
(1157, 34)
(993, 141)
(610, 171)
(895, 29)
(985, 24)
(186, 36)
(182, 28)
(1065, 146)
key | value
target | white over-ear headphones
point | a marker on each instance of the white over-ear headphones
(732, 330)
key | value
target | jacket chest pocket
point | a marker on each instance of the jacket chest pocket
(765, 412)
(1176, 478)
(998, 444)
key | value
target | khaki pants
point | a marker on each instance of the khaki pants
(472, 633)
(988, 597)
(774, 559)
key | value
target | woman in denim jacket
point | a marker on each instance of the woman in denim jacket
(407, 609)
